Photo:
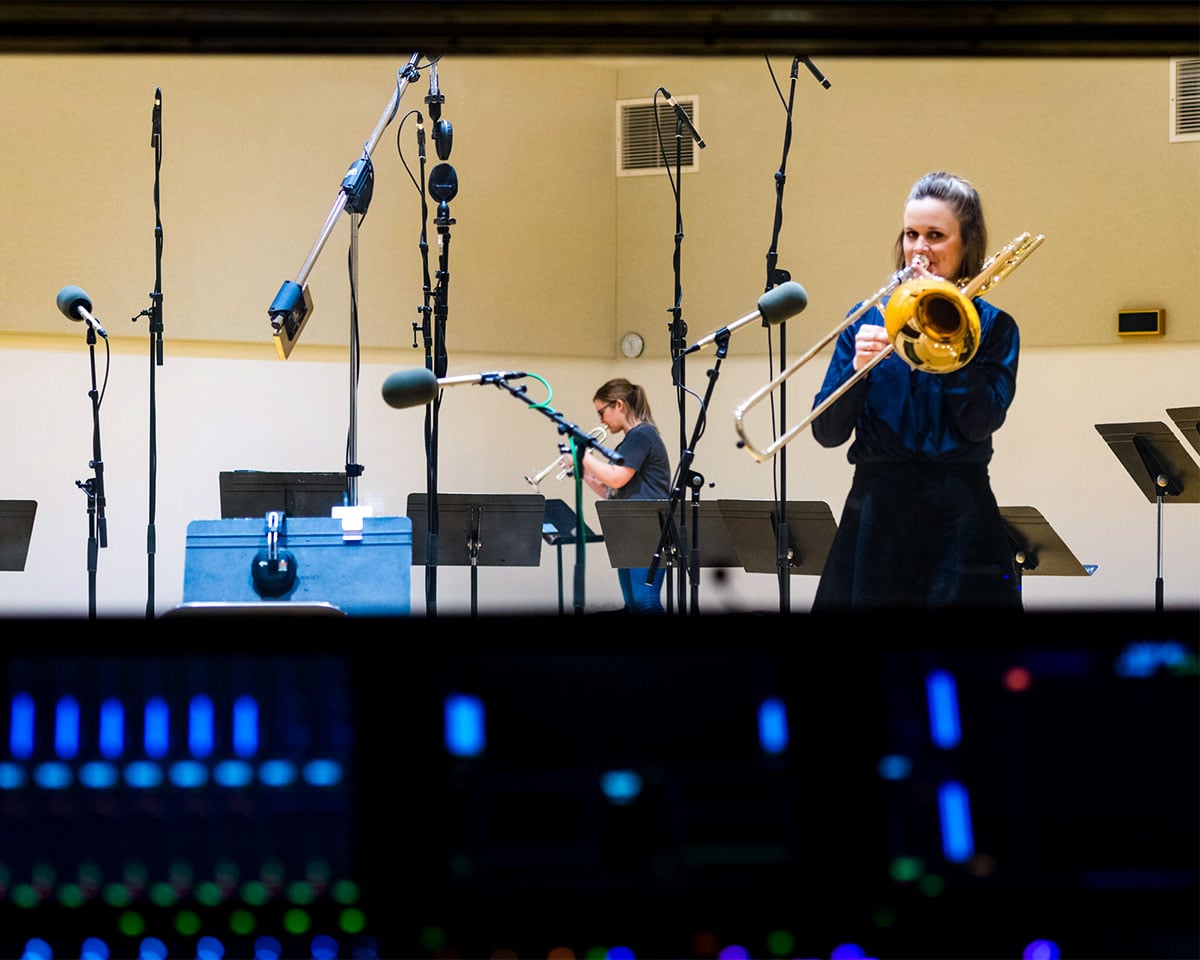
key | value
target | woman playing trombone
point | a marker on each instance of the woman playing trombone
(920, 527)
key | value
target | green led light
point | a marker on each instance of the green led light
(254, 893)
(296, 921)
(780, 942)
(433, 938)
(208, 893)
(932, 885)
(884, 917)
(116, 895)
(131, 924)
(70, 895)
(595, 953)
(242, 922)
(352, 920)
(187, 923)
(300, 893)
(345, 891)
(162, 894)
(24, 896)
(906, 869)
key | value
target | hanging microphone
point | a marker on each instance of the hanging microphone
(420, 138)
(776, 305)
(682, 115)
(77, 305)
(417, 387)
(812, 68)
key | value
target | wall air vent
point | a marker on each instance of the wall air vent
(639, 150)
(1185, 99)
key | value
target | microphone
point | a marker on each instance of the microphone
(417, 387)
(774, 306)
(156, 117)
(77, 305)
(420, 138)
(812, 68)
(682, 115)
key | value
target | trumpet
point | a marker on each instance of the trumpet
(599, 434)
(932, 325)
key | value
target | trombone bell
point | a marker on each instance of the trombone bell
(932, 326)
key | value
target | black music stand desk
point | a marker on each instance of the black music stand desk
(254, 493)
(1187, 419)
(633, 529)
(1161, 468)
(752, 525)
(479, 529)
(559, 529)
(16, 530)
(1037, 549)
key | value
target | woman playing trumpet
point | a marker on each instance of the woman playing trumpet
(920, 527)
(643, 474)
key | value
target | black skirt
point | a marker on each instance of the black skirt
(919, 536)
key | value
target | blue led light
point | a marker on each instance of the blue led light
(954, 808)
(232, 773)
(1041, 950)
(152, 949)
(1144, 658)
(66, 728)
(200, 726)
(245, 727)
(465, 734)
(143, 774)
(942, 693)
(112, 729)
(20, 728)
(895, 767)
(188, 774)
(324, 947)
(772, 725)
(94, 949)
(156, 738)
(209, 948)
(37, 949)
(267, 948)
(621, 786)
(277, 773)
(12, 776)
(97, 775)
(52, 775)
(323, 773)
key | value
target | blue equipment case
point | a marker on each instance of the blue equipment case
(360, 566)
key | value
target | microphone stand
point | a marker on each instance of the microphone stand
(776, 276)
(580, 440)
(154, 312)
(292, 306)
(678, 345)
(686, 477)
(443, 187)
(94, 486)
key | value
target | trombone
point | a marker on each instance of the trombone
(932, 323)
(599, 434)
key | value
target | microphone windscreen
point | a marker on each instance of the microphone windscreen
(782, 302)
(71, 297)
(410, 388)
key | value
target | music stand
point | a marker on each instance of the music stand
(1187, 419)
(1158, 464)
(16, 530)
(752, 525)
(558, 529)
(1037, 549)
(479, 529)
(255, 493)
(633, 529)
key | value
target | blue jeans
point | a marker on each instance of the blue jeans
(640, 598)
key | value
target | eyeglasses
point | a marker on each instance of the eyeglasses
(600, 410)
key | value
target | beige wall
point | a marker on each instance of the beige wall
(551, 258)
